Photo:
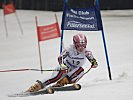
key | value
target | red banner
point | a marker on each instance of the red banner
(48, 32)
(8, 9)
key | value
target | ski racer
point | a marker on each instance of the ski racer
(71, 61)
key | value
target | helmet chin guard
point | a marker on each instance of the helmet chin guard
(80, 42)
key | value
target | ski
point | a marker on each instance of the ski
(26, 94)
(67, 88)
(49, 90)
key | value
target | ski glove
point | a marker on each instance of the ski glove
(63, 67)
(94, 63)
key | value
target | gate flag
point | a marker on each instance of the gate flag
(82, 19)
(8, 9)
(48, 32)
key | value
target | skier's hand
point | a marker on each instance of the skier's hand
(93, 66)
(94, 63)
(63, 67)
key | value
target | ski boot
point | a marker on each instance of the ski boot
(62, 82)
(36, 87)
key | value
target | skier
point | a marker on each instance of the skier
(71, 61)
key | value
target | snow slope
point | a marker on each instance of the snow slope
(21, 51)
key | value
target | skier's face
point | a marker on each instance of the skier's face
(80, 47)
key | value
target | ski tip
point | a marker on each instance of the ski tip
(77, 86)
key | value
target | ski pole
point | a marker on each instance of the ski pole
(28, 70)
(45, 70)
(87, 70)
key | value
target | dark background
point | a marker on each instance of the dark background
(57, 5)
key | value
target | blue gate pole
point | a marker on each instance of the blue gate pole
(106, 53)
(62, 25)
(104, 42)
(62, 33)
